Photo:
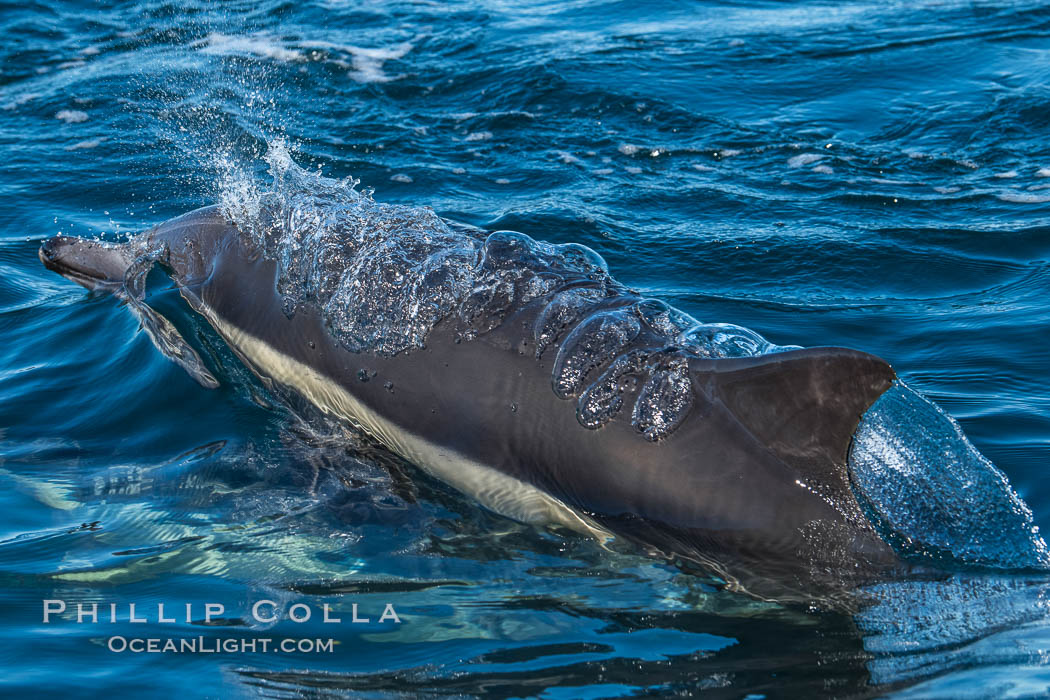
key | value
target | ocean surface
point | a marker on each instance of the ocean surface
(870, 175)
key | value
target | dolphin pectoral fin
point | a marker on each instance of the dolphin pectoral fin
(803, 405)
(167, 339)
(161, 331)
(115, 268)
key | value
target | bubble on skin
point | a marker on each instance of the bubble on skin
(662, 318)
(596, 340)
(602, 401)
(507, 278)
(664, 401)
(563, 310)
(385, 275)
(721, 340)
(515, 269)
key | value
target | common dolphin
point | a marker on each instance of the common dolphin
(560, 397)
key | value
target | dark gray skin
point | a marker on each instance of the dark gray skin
(752, 486)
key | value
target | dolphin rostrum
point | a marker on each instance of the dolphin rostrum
(522, 374)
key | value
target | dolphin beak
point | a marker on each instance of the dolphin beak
(55, 254)
(49, 252)
(91, 264)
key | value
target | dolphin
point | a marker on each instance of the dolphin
(571, 403)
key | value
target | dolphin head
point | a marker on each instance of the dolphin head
(90, 263)
(186, 244)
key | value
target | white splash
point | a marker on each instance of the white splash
(21, 100)
(84, 145)
(259, 45)
(365, 64)
(1024, 197)
(71, 116)
(804, 159)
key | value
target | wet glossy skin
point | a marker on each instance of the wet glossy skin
(752, 485)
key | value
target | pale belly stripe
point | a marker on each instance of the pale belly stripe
(495, 490)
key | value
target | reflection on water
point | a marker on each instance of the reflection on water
(966, 622)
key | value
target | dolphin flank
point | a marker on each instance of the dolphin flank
(523, 375)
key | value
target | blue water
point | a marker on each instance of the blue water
(872, 175)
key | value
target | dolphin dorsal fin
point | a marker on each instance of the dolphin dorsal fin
(804, 405)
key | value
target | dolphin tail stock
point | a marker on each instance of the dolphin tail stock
(803, 405)
(116, 269)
